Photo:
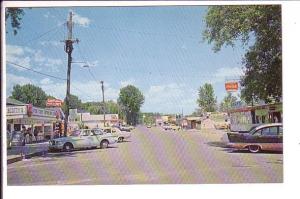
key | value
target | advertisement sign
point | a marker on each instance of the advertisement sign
(231, 86)
(54, 103)
(16, 110)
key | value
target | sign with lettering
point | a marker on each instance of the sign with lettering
(54, 103)
(16, 110)
(231, 86)
(43, 112)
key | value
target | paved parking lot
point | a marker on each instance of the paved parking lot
(152, 156)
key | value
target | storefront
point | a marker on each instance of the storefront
(41, 119)
(192, 122)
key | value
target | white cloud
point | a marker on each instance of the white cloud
(227, 73)
(48, 15)
(12, 80)
(14, 50)
(81, 21)
(46, 81)
(127, 82)
(170, 98)
(39, 57)
(51, 43)
(17, 55)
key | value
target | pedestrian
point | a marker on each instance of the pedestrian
(29, 132)
(23, 143)
(35, 133)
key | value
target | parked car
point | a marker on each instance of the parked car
(175, 127)
(121, 135)
(171, 127)
(166, 127)
(83, 138)
(17, 138)
(263, 137)
(125, 128)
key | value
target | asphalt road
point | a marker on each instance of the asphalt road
(152, 156)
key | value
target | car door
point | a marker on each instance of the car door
(93, 138)
(269, 138)
(83, 140)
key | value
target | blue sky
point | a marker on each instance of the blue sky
(158, 49)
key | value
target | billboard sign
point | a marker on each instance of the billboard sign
(54, 103)
(231, 86)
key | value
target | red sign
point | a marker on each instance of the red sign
(54, 102)
(231, 86)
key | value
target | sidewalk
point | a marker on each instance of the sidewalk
(30, 150)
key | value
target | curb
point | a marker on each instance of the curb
(27, 156)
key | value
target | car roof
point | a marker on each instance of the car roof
(268, 125)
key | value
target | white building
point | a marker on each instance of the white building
(93, 121)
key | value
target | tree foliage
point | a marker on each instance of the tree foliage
(206, 98)
(15, 15)
(30, 94)
(111, 107)
(257, 24)
(74, 103)
(227, 102)
(130, 100)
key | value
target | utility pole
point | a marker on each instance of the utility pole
(68, 48)
(102, 87)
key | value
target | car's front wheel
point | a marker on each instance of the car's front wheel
(254, 148)
(68, 147)
(104, 144)
(120, 139)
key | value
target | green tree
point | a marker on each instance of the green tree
(227, 102)
(257, 24)
(130, 100)
(30, 94)
(74, 103)
(15, 16)
(207, 100)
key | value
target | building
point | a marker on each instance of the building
(192, 122)
(19, 114)
(92, 121)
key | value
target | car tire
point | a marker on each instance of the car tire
(68, 147)
(103, 144)
(120, 139)
(254, 148)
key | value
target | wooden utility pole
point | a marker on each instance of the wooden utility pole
(68, 48)
(102, 87)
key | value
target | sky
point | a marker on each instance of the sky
(160, 50)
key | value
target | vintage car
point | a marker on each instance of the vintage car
(83, 138)
(17, 138)
(125, 128)
(121, 135)
(263, 137)
(171, 127)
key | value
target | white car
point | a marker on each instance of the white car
(122, 135)
(84, 138)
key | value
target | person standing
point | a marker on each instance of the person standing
(35, 133)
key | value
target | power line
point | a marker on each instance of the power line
(35, 71)
(43, 34)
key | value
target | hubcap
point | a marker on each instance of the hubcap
(254, 148)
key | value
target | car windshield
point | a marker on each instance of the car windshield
(75, 133)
